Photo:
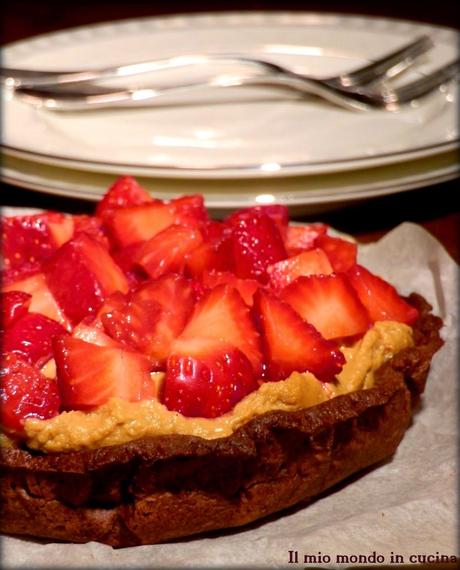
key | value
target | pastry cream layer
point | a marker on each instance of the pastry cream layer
(119, 421)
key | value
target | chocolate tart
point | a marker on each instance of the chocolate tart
(162, 488)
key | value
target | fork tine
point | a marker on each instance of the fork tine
(421, 87)
(388, 66)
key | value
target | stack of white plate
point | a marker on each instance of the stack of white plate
(239, 145)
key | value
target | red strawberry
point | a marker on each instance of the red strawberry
(61, 227)
(381, 299)
(215, 231)
(207, 385)
(312, 262)
(204, 258)
(32, 239)
(93, 333)
(124, 192)
(151, 317)
(341, 253)
(125, 259)
(138, 223)
(13, 305)
(214, 254)
(256, 244)
(89, 375)
(42, 301)
(25, 393)
(14, 274)
(220, 318)
(189, 210)
(278, 213)
(91, 226)
(31, 336)
(167, 251)
(245, 287)
(329, 303)
(81, 274)
(291, 344)
(303, 237)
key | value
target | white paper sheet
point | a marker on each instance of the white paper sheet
(406, 507)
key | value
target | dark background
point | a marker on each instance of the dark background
(24, 18)
(435, 208)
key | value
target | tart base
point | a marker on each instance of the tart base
(157, 489)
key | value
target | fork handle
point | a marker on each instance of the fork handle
(93, 97)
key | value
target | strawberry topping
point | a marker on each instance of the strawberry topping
(25, 393)
(256, 244)
(89, 375)
(13, 305)
(220, 318)
(381, 299)
(209, 383)
(100, 302)
(31, 336)
(293, 345)
(329, 303)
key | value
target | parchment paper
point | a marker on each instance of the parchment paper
(406, 507)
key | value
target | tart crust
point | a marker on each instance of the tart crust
(157, 489)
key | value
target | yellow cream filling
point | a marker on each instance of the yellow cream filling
(119, 421)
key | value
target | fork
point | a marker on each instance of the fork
(388, 66)
(351, 96)
(389, 98)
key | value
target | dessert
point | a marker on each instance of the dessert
(164, 374)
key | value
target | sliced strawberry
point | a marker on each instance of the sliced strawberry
(256, 244)
(221, 317)
(31, 337)
(312, 262)
(381, 299)
(13, 305)
(245, 287)
(125, 259)
(42, 301)
(91, 226)
(81, 274)
(208, 385)
(138, 223)
(278, 213)
(25, 393)
(300, 238)
(202, 259)
(152, 317)
(189, 210)
(214, 231)
(11, 275)
(329, 303)
(61, 228)
(93, 333)
(89, 375)
(341, 253)
(128, 322)
(167, 251)
(214, 254)
(124, 192)
(291, 344)
(31, 239)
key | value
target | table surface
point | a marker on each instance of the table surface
(435, 207)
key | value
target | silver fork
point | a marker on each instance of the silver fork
(389, 99)
(341, 90)
(387, 66)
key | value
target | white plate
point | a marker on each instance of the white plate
(302, 194)
(259, 131)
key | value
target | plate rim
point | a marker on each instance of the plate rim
(312, 197)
